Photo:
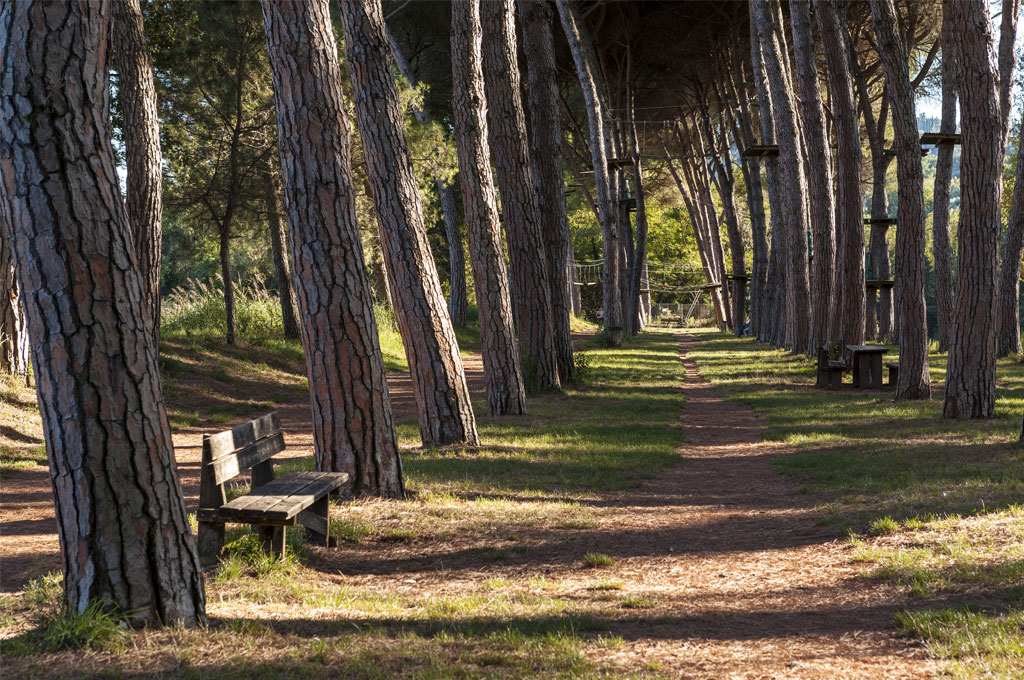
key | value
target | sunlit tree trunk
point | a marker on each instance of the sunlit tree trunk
(353, 430)
(14, 348)
(914, 379)
(435, 364)
(1007, 60)
(123, 531)
(143, 161)
(1009, 276)
(847, 319)
(546, 152)
(510, 151)
(502, 373)
(941, 248)
(971, 371)
(588, 70)
(820, 194)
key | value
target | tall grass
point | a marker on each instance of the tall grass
(196, 312)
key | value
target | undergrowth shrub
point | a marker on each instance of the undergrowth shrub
(244, 556)
(197, 310)
(99, 626)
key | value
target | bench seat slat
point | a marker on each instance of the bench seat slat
(283, 499)
(242, 435)
(230, 466)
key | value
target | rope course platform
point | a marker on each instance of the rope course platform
(880, 220)
(936, 138)
(879, 283)
(760, 150)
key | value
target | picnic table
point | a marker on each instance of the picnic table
(867, 365)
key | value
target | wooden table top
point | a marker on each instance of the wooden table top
(868, 349)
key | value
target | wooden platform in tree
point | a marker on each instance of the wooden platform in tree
(939, 138)
(879, 283)
(760, 151)
(879, 220)
(628, 203)
(739, 277)
(892, 152)
(619, 163)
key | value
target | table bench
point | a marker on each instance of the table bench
(830, 371)
(894, 372)
(867, 365)
(272, 504)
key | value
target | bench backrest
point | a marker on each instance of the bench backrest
(230, 453)
(823, 357)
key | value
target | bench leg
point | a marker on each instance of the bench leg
(315, 519)
(894, 376)
(272, 538)
(210, 542)
(835, 380)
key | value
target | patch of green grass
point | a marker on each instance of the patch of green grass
(351, 531)
(979, 644)
(21, 457)
(638, 602)
(607, 584)
(597, 560)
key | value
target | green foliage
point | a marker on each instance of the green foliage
(592, 559)
(245, 556)
(96, 627)
(196, 311)
(981, 644)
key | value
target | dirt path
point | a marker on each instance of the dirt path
(739, 580)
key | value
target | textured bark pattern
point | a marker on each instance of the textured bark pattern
(819, 184)
(1007, 61)
(794, 209)
(143, 190)
(1009, 276)
(971, 371)
(502, 374)
(846, 325)
(546, 148)
(942, 254)
(635, 320)
(456, 255)
(587, 69)
(352, 426)
(282, 265)
(14, 347)
(510, 151)
(914, 381)
(435, 364)
(123, 530)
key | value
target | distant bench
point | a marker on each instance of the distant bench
(830, 371)
(272, 504)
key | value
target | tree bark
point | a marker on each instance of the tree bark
(1007, 61)
(971, 371)
(502, 373)
(353, 430)
(588, 71)
(123, 530)
(456, 256)
(435, 364)
(548, 172)
(941, 248)
(819, 195)
(767, 17)
(847, 325)
(143, 160)
(914, 380)
(14, 347)
(510, 151)
(282, 266)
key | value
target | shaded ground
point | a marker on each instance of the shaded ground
(723, 568)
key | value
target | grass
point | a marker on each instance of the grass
(597, 560)
(535, 482)
(930, 505)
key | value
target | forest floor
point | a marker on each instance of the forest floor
(692, 509)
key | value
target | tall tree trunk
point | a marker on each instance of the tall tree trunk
(143, 191)
(588, 71)
(1009, 276)
(282, 265)
(435, 364)
(847, 326)
(121, 521)
(971, 371)
(456, 255)
(548, 172)
(224, 251)
(502, 373)
(446, 197)
(510, 150)
(820, 196)
(941, 248)
(635, 319)
(14, 348)
(1007, 60)
(767, 16)
(352, 427)
(914, 379)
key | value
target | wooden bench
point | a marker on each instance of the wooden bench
(830, 371)
(894, 372)
(272, 504)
